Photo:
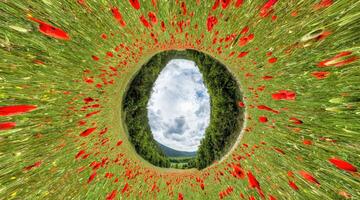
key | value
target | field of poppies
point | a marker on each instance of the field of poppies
(65, 67)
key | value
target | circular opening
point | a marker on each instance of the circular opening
(179, 108)
(226, 117)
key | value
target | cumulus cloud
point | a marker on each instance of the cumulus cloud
(179, 106)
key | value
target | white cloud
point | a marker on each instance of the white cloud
(179, 106)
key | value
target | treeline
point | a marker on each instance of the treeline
(135, 110)
(225, 120)
(226, 116)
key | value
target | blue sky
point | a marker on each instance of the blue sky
(179, 106)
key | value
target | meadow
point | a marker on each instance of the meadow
(65, 67)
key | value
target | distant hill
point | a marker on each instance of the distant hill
(175, 153)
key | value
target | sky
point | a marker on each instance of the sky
(179, 106)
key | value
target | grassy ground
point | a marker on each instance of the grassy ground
(307, 48)
(180, 162)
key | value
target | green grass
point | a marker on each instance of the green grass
(50, 73)
(180, 162)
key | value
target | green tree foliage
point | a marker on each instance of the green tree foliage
(135, 111)
(226, 116)
(225, 120)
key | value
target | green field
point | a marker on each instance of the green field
(65, 67)
(180, 162)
